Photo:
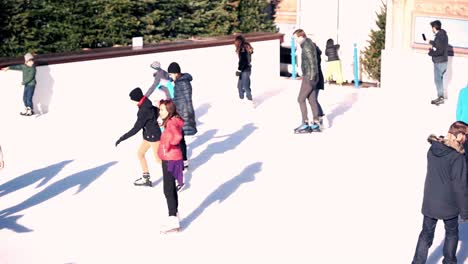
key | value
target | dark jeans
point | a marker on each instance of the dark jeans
(28, 95)
(183, 146)
(170, 190)
(427, 236)
(439, 71)
(309, 91)
(243, 85)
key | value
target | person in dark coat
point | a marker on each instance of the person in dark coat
(147, 121)
(244, 69)
(183, 101)
(334, 72)
(445, 192)
(320, 85)
(439, 54)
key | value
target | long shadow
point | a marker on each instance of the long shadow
(81, 179)
(223, 192)
(260, 99)
(462, 254)
(200, 140)
(231, 142)
(45, 174)
(201, 111)
(342, 108)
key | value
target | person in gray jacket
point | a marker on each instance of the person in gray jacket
(310, 79)
(445, 192)
(439, 54)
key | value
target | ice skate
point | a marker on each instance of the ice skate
(24, 112)
(186, 164)
(180, 187)
(29, 111)
(316, 127)
(303, 129)
(143, 181)
(172, 225)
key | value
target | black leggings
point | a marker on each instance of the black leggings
(183, 147)
(170, 190)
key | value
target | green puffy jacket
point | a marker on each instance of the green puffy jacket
(29, 73)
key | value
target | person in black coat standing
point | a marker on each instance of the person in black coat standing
(439, 53)
(445, 192)
(147, 121)
(334, 71)
(184, 104)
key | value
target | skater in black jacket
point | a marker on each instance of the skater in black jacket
(445, 192)
(147, 121)
(244, 69)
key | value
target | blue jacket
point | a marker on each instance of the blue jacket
(462, 107)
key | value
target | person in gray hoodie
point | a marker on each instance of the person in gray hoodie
(439, 53)
(445, 192)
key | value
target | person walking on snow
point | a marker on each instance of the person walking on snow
(310, 80)
(445, 192)
(183, 101)
(29, 82)
(147, 121)
(244, 68)
(172, 164)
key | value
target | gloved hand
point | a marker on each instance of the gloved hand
(118, 142)
(238, 73)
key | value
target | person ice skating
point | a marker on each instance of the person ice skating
(445, 192)
(439, 54)
(29, 82)
(147, 121)
(2, 163)
(162, 87)
(183, 101)
(172, 164)
(320, 86)
(334, 72)
(310, 80)
(244, 69)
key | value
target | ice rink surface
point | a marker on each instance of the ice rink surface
(257, 193)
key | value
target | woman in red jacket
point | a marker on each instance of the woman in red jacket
(172, 164)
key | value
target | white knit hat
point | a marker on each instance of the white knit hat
(28, 56)
(155, 65)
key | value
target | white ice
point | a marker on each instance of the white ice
(257, 192)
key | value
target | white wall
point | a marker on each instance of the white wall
(98, 89)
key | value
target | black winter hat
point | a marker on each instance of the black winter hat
(173, 68)
(136, 94)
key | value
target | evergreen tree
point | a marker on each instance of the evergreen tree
(372, 54)
(253, 16)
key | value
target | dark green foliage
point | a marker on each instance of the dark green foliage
(372, 54)
(46, 26)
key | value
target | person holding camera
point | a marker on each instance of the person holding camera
(439, 54)
(244, 51)
(445, 192)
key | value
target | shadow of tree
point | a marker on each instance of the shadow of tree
(462, 254)
(81, 179)
(231, 142)
(223, 192)
(45, 174)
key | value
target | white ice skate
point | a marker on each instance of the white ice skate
(172, 225)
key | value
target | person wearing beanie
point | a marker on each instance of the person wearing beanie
(244, 68)
(184, 104)
(147, 117)
(29, 81)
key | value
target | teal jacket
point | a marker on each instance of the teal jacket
(29, 73)
(462, 108)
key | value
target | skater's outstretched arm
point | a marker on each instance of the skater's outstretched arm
(139, 124)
